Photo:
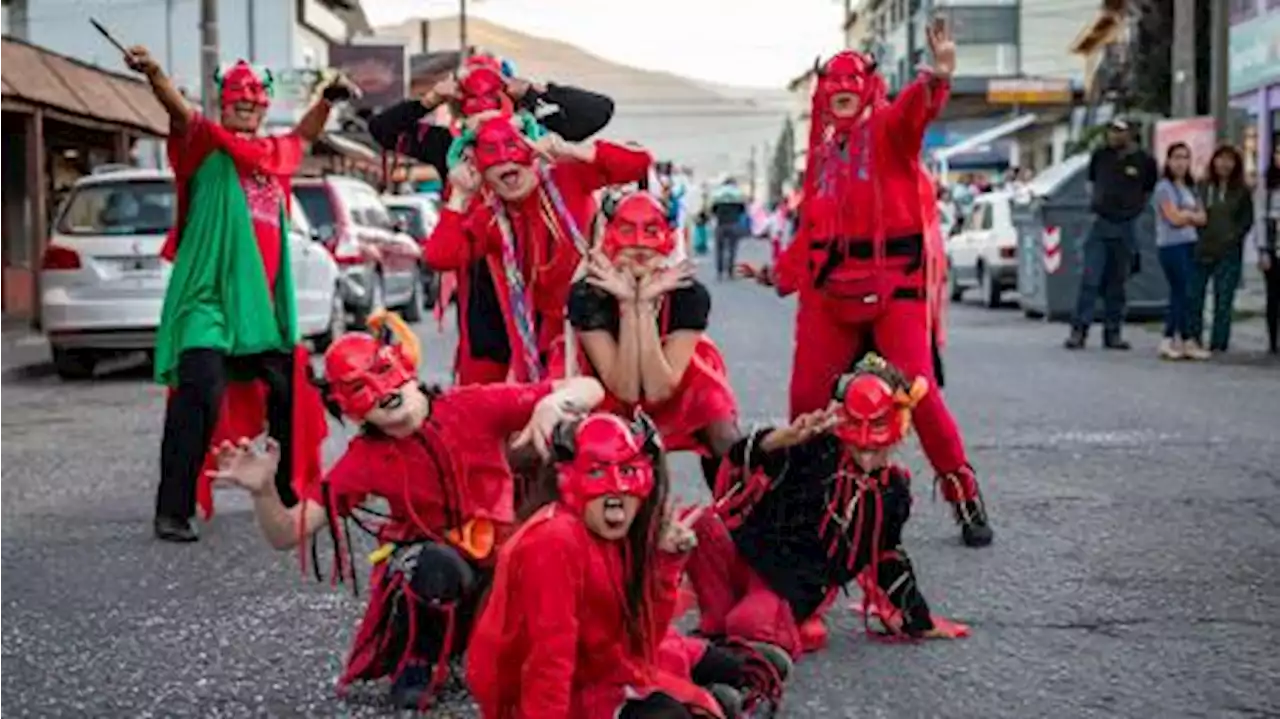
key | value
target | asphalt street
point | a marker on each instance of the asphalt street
(1136, 569)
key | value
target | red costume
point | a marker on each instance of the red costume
(776, 553)
(448, 490)
(704, 396)
(867, 260)
(553, 639)
(542, 231)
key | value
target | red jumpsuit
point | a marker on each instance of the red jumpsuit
(704, 396)
(551, 642)
(471, 245)
(448, 483)
(860, 263)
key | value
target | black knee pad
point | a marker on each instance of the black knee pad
(442, 574)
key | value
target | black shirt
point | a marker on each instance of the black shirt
(782, 539)
(573, 114)
(591, 308)
(1122, 182)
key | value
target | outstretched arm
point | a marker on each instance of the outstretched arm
(139, 59)
(922, 100)
(254, 470)
(579, 114)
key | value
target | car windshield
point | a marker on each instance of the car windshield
(128, 207)
(316, 205)
(412, 218)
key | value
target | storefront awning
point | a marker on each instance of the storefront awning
(38, 77)
(986, 137)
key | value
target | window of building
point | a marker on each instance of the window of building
(983, 25)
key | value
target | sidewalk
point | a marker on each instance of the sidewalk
(21, 346)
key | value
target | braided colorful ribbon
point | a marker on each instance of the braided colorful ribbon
(521, 311)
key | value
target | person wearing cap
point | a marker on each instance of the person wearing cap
(1123, 176)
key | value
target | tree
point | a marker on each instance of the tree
(783, 163)
(1150, 80)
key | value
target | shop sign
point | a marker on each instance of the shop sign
(1255, 52)
(1029, 92)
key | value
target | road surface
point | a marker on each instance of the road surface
(1136, 570)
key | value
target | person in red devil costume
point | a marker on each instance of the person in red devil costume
(641, 327)
(805, 509)
(514, 224)
(486, 84)
(867, 261)
(229, 320)
(438, 459)
(577, 623)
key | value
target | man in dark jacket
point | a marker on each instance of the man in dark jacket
(1123, 176)
(729, 207)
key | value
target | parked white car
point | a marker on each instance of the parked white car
(984, 254)
(416, 216)
(102, 281)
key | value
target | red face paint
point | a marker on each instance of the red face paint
(482, 89)
(852, 73)
(870, 414)
(638, 221)
(362, 371)
(242, 84)
(498, 142)
(609, 459)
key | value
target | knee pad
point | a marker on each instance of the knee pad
(441, 574)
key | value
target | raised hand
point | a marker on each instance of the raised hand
(678, 536)
(665, 280)
(602, 274)
(446, 89)
(339, 89)
(804, 428)
(139, 59)
(464, 178)
(546, 415)
(553, 147)
(942, 46)
(245, 466)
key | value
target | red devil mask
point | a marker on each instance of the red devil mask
(242, 84)
(873, 414)
(483, 89)
(361, 371)
(603, 455)
(638, 221)
(847, 72)
(499, 142)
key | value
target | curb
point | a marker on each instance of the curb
(21, 350)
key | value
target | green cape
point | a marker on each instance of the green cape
(217, 297)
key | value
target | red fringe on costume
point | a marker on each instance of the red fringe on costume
(244, 414)
(704, 396)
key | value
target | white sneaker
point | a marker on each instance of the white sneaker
(1193, 350)
(1171, 349)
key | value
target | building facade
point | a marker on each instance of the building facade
(1254, 75)
(284, 35)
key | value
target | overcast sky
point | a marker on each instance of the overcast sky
(752, 43)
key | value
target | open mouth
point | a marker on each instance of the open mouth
(615, 513)
(844, 103)
(246, 111)
(510, 179)
(391, 401)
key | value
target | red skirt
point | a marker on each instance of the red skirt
(703, 398)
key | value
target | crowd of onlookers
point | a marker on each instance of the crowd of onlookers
(1202, 228)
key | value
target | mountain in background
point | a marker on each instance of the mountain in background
(708, 127)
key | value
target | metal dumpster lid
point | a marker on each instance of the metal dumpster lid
(1048, 182)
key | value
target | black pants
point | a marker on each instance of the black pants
(727, 249)
(655, 706)
(1273, 303)
(192, 416)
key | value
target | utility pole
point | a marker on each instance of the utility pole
(462, 33)
(1183, 60)
(1219, 100)
(248, 30)
(208, 56)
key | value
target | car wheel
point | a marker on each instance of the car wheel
(337, 322)
(412, 310)
(74, 364)
(430, 289)
(953, 286)
(990, 290)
